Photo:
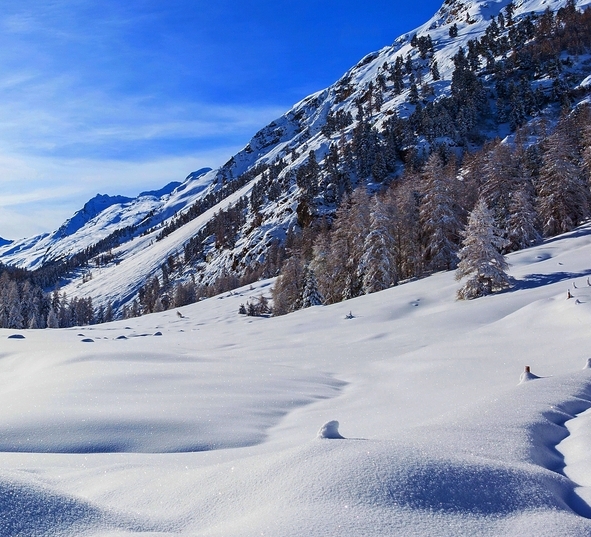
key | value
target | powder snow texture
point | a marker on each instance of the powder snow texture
(210, 429)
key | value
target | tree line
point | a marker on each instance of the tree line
(23, 304)
(539, 185)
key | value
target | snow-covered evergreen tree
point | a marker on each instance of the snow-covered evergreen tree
(311, 296)
(15, 317)
(480, 258)
(109, 314)
(439, 214)
(33, 322)
(378, 262)
(52, 319)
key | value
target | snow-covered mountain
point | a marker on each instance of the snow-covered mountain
(101, 217)
(266, 176)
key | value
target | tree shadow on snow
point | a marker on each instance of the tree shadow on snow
(581, 232)
(532, 281)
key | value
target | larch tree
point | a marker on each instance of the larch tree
(500, 179)
(563, 192)
(357, 228)
(287, 291)
(338, 269)
(521, 224)
(480, 258)
(404, 202)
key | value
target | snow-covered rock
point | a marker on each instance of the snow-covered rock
(330, 430)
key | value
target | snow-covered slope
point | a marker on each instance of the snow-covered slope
(103, 215)
(285, 143)
(204, 422)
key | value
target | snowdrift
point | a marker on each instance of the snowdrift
(210, 428)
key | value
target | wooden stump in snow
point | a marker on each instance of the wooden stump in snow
(527, 375)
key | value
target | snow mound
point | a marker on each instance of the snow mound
(27, 508)
(330, 430)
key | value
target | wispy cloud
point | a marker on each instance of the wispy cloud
(36, 118)
(112, 98)
(63, 138)
(113, 81)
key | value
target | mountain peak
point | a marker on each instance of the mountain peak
(161, 192)
(91, 208)
(197, 174)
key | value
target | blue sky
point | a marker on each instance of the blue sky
(119, 97)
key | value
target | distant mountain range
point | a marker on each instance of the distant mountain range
(377, 119)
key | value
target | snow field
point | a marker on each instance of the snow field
(211, 428)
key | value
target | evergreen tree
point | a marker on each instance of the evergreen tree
(379, 170)
(480, 257)
(413, 94)
(435, 71)
(109, 315)
(397, 75)
(378, 262)
(52, 319)
(15, 317)
(439, 214)
(33, 322)
(311, 296)
(364, 144)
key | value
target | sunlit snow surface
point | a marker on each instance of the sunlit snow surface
(211, 428)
